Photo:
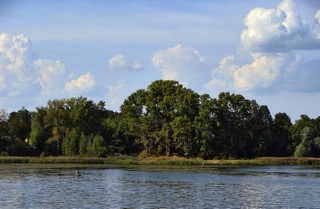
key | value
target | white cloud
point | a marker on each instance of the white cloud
(316, 27)
(277, 30)
(51, 76)
(183, 64)
(23, 73)
(120, 62)
(317, 17)
(273, 39)
(222, 76)
(262, 73)
(17, 76)
(82, 84)
(267, 73)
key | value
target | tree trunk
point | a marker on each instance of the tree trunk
(168, 151)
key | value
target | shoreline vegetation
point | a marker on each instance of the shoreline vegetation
(166, 161)
(165, 119)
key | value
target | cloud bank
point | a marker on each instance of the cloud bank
(273, 39)
(50, 75)
(23, 73)
(16, 73)
(279, 30)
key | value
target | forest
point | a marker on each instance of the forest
(165, 119)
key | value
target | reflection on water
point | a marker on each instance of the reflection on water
(253, 187)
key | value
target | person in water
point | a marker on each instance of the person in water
(78, 173)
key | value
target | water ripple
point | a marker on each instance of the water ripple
(252, 187)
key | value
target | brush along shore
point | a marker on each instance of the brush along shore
(130, 160)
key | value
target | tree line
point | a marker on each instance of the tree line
(164, 119)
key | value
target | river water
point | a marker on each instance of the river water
(164, 187)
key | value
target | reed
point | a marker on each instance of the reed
(289, 160)
(132, 160)
(122, 160)
(171, 161)
(254, 162)
(6, 159)
(66, 160)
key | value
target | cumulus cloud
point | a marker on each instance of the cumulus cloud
(317, 17)
(183, 64)
(222, 76)
(51, 76)
(262, 73)
(23, 73)
(82, 84)
(16, 57)
(121, 62)
(316, 26)
(278, 30)
(272, 39)
(267, 73)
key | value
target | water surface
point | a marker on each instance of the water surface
(154, 187)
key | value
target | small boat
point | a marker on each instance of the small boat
(78, 173)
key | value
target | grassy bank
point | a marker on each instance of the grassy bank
(120, 160)
(129, 160)
(256, 161)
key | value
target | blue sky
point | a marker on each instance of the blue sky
(266, 50)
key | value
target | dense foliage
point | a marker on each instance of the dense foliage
(164, 119)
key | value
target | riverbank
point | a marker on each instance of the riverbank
(130, 160)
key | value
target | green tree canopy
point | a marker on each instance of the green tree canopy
(19, 124)
(166, 118)
(161, 117)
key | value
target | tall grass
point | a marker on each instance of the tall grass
(171, 161)
(5, 159)
(66, 160)
(122, 160)
(176, 161)
(289, 160)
